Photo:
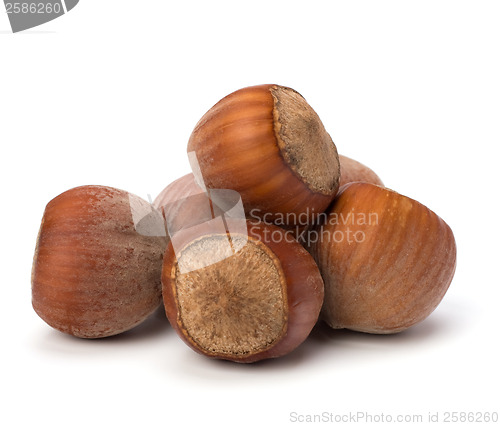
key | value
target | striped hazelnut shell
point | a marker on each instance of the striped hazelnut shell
(269, 145)
(386, 260)
(354, 171)
(183, 203)
(96, 271)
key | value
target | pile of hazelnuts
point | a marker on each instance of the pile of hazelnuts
(320, 238)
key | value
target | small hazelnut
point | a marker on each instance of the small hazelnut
(97, 264)
(386, 260)
(183, 203)
(353, 171)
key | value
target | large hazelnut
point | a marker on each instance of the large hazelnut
(97, 265)
(386, 260)
(238, 296)
(269, 145)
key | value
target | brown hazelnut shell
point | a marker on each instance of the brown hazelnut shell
(266, 143)
(304, 290)
(400, 271)
(183, 203)
(93, 274)
(354, 171)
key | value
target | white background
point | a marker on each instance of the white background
(109, 94)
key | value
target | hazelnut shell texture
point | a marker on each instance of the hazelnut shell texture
(303, 296)
(354, 171)
(268, 144)
(183, 203)
(94, 275)
(386, 260)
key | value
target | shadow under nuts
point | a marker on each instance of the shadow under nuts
(386, 260)
(97, 268)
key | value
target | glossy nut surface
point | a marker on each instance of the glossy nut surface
(268, 144)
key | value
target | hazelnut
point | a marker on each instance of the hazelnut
(386, 260)
(97, 265)
(353, 171)
(241, 297)
(269, 145)
(183, 204)
(181, 188)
